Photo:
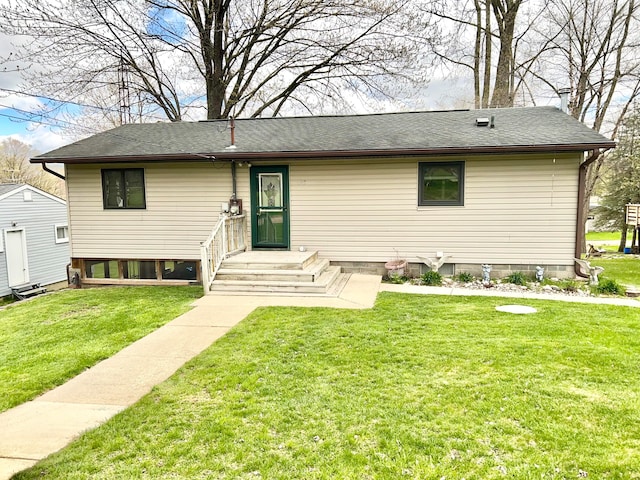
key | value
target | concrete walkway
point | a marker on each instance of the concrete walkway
(36, 429)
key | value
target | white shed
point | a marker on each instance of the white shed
(34, 239)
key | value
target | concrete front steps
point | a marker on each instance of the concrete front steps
(281, 272)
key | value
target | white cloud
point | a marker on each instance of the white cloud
(40, 138)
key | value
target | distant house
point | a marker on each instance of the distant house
(498, 186)
(34, 248)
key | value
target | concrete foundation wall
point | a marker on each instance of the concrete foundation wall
(450, 269)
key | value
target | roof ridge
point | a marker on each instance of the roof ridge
(373, 114)
(520, 128)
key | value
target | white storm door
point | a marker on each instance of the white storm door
(16, 253)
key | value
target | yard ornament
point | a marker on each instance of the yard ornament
(593, 271)
(434, 263)
(539, 274)
(486, 274)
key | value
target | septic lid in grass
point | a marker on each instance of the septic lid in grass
(519, 309)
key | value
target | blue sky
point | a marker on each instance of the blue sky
(40, 137)
(14, 122)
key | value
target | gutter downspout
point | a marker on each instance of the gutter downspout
(232, 127)
(48, 170)
(233, 180)
(582, 181)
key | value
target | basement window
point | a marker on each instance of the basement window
(123, 188)
(101, 269)
(441, 183)
(139, 269)
(176, 270)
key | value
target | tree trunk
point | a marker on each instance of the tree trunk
(216, 91)
(209, 22)
(505, 12)
(478, 52)
(623, 240)
(487, 55)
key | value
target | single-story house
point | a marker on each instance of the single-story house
(34, 245)
(500, 187)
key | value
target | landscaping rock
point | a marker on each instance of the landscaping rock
(581, 291)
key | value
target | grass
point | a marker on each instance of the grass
(613, 237)
(418, 388)
(624, 270)
(6, 300)
(52, 338)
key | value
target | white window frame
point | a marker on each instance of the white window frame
(55, 233)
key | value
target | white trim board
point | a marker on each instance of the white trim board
(33, 189)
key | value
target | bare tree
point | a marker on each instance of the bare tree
(593, 46)
(494, 24)
(249, 58)
(81, 47)
(593, 50)
(15, 168)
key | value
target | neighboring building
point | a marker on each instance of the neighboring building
(594, 205)
(496, 186)
(34, 248)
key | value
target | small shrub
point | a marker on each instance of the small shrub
(398, 279)
(6, 300)
(608, 286)
(431, 278)
(517, 278)
(569, 285)
(465, 277)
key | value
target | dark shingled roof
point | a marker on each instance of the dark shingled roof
(423, 133)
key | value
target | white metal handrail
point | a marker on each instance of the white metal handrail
(227, 238)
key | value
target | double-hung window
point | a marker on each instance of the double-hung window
(123, 188)
(441, 183)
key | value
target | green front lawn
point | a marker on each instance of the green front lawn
(50, 339)
(418, 387)
(625, 270)
(612, 237)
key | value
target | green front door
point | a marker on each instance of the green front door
(270, 207)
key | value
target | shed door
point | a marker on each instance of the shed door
(16, 254)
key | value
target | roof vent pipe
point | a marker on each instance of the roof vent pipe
(564, 93)
(232, 127)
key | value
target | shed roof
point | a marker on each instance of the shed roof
(389, 134)
(8, 187)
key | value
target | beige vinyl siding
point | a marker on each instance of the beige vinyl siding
(182, 207)
(517, 209)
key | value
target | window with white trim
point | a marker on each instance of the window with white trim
(62, 233)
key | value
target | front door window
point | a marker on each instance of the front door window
(270, 190)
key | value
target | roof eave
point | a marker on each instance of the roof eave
(236, 155)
